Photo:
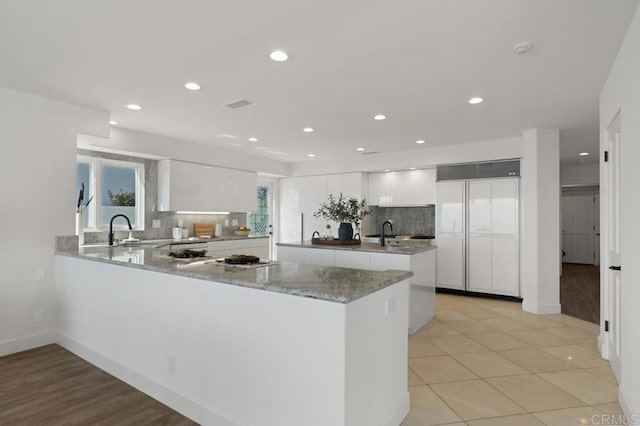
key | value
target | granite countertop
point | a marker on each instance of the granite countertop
(340, 285)
(190, 240)
(408, 249)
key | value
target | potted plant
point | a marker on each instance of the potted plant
(347, 212)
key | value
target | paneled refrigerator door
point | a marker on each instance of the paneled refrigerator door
(450, 234)
(493, 236)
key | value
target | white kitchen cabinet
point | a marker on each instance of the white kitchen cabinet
(424, 186)
(422, 264)
(319, 257)
(403, 188)
(353, 259)
(300, 197)
(195, 187)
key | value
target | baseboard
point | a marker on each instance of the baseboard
(630, 413)
(24, 343)
(399, 412)
(541, 309)
(168, 396)
(467, 293)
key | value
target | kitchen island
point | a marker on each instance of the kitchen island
(283, 344)
(417, 257)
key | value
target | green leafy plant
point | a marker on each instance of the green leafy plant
(343, 210)
(122, 198)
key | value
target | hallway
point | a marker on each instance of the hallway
(580, 291)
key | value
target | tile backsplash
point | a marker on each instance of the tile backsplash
(406, 220)
(167, 219)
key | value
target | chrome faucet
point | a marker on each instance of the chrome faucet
(386, 222)
(111, 226)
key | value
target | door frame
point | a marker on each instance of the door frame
(596, 238)
(605, 284)
(272, 183)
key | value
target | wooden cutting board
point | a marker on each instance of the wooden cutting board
(204, 229)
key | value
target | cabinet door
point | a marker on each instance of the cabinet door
(401, 187)
(236, 190)
(301, 196)
(347, 184)
(380, 189)
(384, 261)
(290, 254)
(424, 186)
(352, 259)
(450, 234)
(318, 257)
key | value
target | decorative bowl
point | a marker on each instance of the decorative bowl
(242, 233)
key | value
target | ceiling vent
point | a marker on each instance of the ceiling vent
(522, 48)
(239, 104)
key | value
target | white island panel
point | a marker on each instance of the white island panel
(228, 355)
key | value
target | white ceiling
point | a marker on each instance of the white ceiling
(415, 61)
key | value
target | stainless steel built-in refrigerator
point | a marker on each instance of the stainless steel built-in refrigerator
(478, 227)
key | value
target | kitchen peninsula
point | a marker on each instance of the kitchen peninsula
(417, 257)
(280, 344)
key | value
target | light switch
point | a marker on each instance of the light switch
(234, 222)
(41, 274)
(156, 223)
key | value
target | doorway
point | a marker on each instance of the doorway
(580, 225)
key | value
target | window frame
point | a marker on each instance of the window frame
(95, 177)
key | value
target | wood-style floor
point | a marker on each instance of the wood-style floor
(580, 291)
(52, 386)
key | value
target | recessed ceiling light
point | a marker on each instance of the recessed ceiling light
(387, 170)
(192, 85)
(582, 154)
(308, 129)
(476, 100)
(311, 155)
(420, 141)
(113, 123)
(279, 55)
(360, 149)
(522, 48)
(379, 117)
(134, 107)
(253, 139)
(412, 168)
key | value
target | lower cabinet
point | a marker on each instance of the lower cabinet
(422, 264)
(251, 246)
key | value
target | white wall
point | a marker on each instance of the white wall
(622, 93)
(573, 174)
(37, 184)
(427, 157)
(146, 144)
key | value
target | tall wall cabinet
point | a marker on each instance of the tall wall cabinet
(300, 197)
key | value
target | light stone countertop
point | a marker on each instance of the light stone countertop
(409, 249)
(340, 285)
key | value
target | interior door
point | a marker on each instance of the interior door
(579, 226)
(613, 281)
(450, 234)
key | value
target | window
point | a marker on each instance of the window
(259, 221)
(117, 187)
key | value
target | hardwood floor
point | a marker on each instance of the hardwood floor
(52, 386)
(580, 291)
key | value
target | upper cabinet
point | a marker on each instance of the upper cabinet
(197, 187)
(406, 188)
(300, 197)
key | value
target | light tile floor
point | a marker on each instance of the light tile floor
(486, 362)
